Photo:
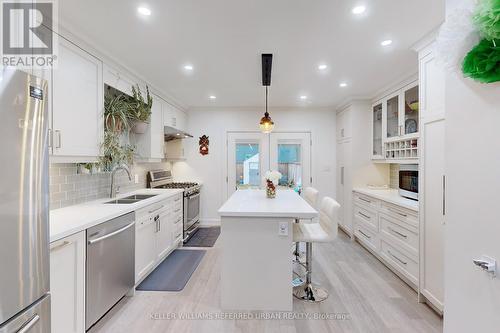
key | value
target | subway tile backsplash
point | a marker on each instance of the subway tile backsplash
(68, 187)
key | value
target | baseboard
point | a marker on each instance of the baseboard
(209, 222)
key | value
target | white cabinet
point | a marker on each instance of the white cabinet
(175, 150)
(401, 112)
(117, 80)
(67, 284)
(155, 226)
(354, 167)
(77, 106)
(173, 117)
(377, 131)
(150, 145)
(432, 181)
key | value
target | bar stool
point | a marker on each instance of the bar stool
(323, 232)
(311, 196)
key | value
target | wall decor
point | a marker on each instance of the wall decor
(204, 142)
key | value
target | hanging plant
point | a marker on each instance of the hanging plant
(482, 63)
(116, 112)
(114, 153)
(140, 109)
(487, 18)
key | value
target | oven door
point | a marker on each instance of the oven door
(191, 210)
(408, 183)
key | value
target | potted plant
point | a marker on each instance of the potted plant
(140, 110)
(115, 112)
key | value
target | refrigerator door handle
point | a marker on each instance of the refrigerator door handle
(26, 328)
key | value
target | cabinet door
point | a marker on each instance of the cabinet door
(377, 129)
(392, 116)
(169, 118)
(410, 109)
(340, 181)
(156, 129)
(145, 247)
(77, 103)
(163, 236)
(67, 284)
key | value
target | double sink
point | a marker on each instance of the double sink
(131, 199)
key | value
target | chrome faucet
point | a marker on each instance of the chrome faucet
(114, 190)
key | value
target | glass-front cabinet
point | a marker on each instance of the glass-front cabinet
(395, 121)
(377, 130)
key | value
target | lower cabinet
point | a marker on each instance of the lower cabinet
(390, 232)
(156, 231)
(67, 284)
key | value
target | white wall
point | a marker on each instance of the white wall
(216, 122)
(472, 297)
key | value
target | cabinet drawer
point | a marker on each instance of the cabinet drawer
(400, 261)
(367, 237)
(152, 210)
(368, 217)
(401, 214)
(366, 201)
(177, 220)
(400, 235)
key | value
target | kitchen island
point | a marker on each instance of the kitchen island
(256, 239)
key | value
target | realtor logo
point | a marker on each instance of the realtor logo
(28, 33)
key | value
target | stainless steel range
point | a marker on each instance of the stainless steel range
(163, 179)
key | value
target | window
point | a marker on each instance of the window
(290, 165)
(247, 165)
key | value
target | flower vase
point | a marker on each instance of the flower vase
(270, 190)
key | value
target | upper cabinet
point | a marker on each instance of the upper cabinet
(150, 145)
(118, 80)
(173, 117)
(395, 126)
(77, 104)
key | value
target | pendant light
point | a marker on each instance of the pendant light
(266, 123)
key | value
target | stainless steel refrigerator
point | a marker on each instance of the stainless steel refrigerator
(24, 204)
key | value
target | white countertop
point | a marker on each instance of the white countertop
(254, 203)
(70, 220)
(389, 195)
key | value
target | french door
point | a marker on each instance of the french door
(251, 154)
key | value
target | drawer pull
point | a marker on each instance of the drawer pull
(364, 215)
(399, 213)
(177, 210)
(397, 233)
(365, 200)
(178, 199)
(364, 234)
(156, 209)
(401, 261)
(60, 246)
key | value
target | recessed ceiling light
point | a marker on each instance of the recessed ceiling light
(212, 97)
(342, 84)
(386, 42)
(188, 67)
(303, 97)
(358, 10)
(178, 134)
(144, 11)
(322, 67)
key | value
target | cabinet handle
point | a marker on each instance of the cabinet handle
(397, 233)
(401, 261)
(399, 213)
(365, 200)
(156, 209)
(364, 215)
(364, 234)
(58, 136)
(342, 132)
(342, 175)
(400, 130)
(178, 199)
(60, 246)
(50, 138)
(444, 195)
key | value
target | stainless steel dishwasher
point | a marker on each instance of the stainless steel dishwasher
(110, 265)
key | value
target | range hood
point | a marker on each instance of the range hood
(175, 134)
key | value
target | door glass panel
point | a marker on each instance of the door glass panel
(411, 110)
(247, 165)
(377, 130)
(393, 117)
(290, 165)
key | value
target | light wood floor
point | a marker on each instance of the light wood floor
(375, 299)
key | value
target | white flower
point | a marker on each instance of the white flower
(273, 176)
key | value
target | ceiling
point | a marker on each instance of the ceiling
(223, 40)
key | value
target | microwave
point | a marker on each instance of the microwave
(408, 181)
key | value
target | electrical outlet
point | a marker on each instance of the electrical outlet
(283, 229)
(136, 178)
